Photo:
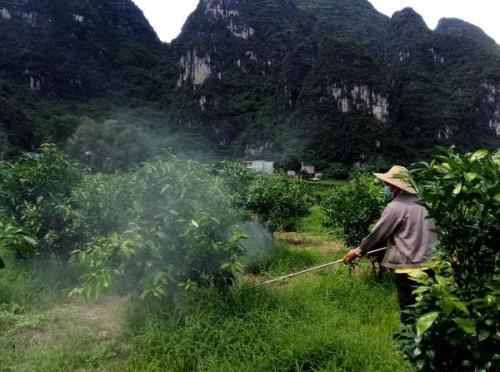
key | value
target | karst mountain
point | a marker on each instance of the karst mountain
(320, 80)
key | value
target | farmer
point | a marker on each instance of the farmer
(407, 232)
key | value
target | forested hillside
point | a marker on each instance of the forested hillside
(316, 80)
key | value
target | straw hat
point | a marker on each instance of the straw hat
(397, 176)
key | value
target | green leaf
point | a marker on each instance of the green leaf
(446, 167)
(466, 325)
(425, 322)
(447, 305)
(417, 351)
(471, 176)
(195, 224)
(419, 290)
(419, 276)
(461, 306)
(441, 280)
(457, 189)
(29, 240)
(483, 335)
(479, 154)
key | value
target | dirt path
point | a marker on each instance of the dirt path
(102, 320)
(309, 242)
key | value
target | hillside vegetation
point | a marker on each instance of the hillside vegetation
(331, 81)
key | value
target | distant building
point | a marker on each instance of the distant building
(307, 169)
(34, 155)
(261, 166)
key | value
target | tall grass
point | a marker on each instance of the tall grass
(23, 283)
(282, 260)
(30, 333)
(324, 321)
(329, 321)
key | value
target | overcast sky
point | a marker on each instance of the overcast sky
(168, 16)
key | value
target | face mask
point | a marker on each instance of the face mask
(389, 195)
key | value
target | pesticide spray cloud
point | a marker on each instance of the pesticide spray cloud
(259, 240)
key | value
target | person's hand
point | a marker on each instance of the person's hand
(351, 256)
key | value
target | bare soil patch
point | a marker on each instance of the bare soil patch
(102, 320)
(297, 240)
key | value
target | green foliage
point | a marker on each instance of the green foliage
(355, 19)
(279, 201)
(41, 331)
(279, 93)
(16, 240)
(35, 194)
(113, 145)
(456, 328)
(336, 171)
(19, 287)
(354, 206)
(5, 146)
(290, 160)
(236, 179)
(457, 311)
(306, 325)
(178, 232)
(462, 193)
(281, 261)
(379, 163)
(102, 204)
(57, 129)
(321, 190)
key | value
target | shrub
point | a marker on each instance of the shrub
(236, 179)
(378, 163)
(336, 171)
(354, 206)
(457, 324)
(102, 204)
(13, 238)
(278, 201)
(180, 234)
(35, 194)
(113, 145)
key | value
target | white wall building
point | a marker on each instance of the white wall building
(309, 169)
(261, 166)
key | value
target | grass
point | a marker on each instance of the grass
(312, 225)
(41, 331)
(321, 322)
(319, 190)
(325, 321)
(329, 320)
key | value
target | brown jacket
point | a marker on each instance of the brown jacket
(406, 230)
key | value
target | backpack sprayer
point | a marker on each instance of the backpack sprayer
(293, 275)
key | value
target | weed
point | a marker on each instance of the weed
(320, 322)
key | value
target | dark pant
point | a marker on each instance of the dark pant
(406, 299)
(405, 286)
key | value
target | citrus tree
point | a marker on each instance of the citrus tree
(354, 206)
(457, 326)
(35, 195)
(278, 200)
(236, 179)
(178, 233)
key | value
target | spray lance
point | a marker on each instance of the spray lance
(293, 275)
